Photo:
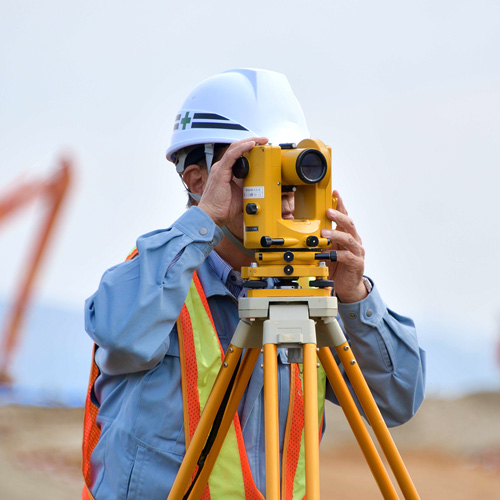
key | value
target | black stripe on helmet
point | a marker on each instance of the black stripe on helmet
(225, 126)
(208, 116)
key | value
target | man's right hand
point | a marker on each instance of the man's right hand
(222, 198)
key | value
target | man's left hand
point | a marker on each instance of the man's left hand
(347, 272)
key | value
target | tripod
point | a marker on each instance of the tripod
(304, 321)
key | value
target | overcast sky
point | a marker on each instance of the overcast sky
(406, 93)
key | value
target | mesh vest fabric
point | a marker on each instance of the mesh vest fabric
(198, 330)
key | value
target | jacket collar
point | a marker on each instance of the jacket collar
(212, 276)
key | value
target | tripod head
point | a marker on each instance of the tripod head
(287, 248)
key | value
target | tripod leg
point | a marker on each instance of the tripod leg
(271, 422)
(376, 421)
(241, 383)
(357, 425)
(311, 427)
(207, 418)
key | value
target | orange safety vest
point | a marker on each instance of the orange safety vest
(201, 357)
(91, 431)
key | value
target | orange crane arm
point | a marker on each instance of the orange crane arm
(53, 191)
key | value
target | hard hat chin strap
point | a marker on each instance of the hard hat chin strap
(209, 155)
(184, 160)
(236, 242)
(195, 196)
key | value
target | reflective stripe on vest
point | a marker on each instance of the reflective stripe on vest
(86, 495)
(202, 356)
(91, 431)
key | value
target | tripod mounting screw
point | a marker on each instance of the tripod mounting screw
(346, 348)
(225, 364)
(353, 362)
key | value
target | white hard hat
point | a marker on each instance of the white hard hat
(239, 104)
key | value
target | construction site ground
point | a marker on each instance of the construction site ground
(451, 449)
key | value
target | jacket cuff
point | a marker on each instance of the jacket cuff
(368, 311)
(199, 227)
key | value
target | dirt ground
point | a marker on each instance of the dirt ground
(451, 449)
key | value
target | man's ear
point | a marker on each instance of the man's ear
(194, 178)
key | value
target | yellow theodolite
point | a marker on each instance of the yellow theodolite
(287, 248)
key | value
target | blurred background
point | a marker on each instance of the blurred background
(407, 95)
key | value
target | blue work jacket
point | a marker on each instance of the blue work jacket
(132, 318)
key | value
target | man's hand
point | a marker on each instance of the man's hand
(347, 272)
(222, 197)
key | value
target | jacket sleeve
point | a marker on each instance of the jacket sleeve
(386, 348)
(133, 311)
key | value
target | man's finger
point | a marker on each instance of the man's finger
(344, 223)
(236, 149)
(345, 240)
(340, 202)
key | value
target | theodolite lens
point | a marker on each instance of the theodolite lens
(311, 166)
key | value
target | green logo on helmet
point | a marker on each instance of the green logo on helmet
(205, 120)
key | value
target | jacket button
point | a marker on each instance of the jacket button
(203, 231)
(369, 312)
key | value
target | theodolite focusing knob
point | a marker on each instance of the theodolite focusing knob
(288, 256)
(241, 168)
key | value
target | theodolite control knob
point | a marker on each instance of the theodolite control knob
(312, 241)
(251, 208)
(267, 241)
(331, 256)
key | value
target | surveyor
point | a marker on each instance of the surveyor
(150, 382)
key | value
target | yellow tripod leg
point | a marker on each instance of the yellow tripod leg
(207, 418)
(271, 422)
(376, 421)
(311, 427)
(357, 425)
(240, 384)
